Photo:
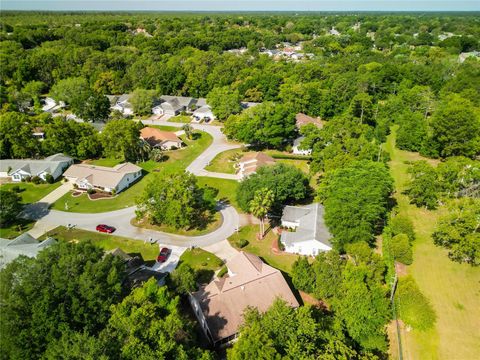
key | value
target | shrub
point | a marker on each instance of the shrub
(412, 306)
(91, 191)
(27, 179)
(222, 271)
(49, 179)
(241, 243)
(36, 180)
(401, 224)
(401, 249)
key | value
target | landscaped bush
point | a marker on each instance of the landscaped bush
(91, 191)
(36, 180)
(401, 249)
(412, 306)
(49, 179)
(241, 243)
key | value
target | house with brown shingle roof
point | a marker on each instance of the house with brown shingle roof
(251, 162)
(164, 140)
(302, 120)
(219, 306)
(108, 179)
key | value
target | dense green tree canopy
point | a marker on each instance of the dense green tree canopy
(142, 101)
(10, 206)
(266, 125)
(288, 184)
(81, 283)
(224, 102)
(356, 200)
(121, 138)
(176, 200)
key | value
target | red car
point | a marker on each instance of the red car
(105, 228)
(163, 256)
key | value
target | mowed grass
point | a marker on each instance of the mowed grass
(107, 242)
(452, 288)
(180, 119)
(177, 160)
(263, 248)
(225, 162)
(31, 193)
(227, 189)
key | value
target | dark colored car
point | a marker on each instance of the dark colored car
(105, 228)
(163, 256)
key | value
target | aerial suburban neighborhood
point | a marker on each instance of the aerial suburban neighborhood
(226, 185)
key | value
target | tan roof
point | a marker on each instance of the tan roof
(251, 283)
(259, 157)
(101, 175)
(155, 136)
(302, 119)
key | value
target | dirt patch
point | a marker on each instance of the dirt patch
(77, 193)
(401, 269)
(309, 299)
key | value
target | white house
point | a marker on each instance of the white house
(51, 106)
(296, 147)
(121, 103)
(310, 235)
(18, 169)
(24, 244)
(103, 178)
(173, 105)
(251, 162)
(203, 113)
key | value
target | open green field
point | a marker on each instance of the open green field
(31, 193)
(262, 248)
(108, 242)
(177, 160)
(452, 288)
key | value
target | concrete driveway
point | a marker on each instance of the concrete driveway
(171, 263)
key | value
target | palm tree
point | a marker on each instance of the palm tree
(188, 130)
(156, 155)
(260, 205)
(144, 150)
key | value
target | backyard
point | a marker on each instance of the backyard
(177, 160)
(262, 248)
(452, 288)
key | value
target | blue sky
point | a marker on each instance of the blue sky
(245, 5)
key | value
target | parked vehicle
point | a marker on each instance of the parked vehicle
(164, 254)
(105, 228)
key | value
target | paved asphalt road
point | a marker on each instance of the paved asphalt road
(219, 145)
(120, 219)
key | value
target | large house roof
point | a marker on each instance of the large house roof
(252, 161)
(302, 119)
(101, 176)
(154, 136)
(24, 244)
(250, 283)
(310, 224)
(35, 167)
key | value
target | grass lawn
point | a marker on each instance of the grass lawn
(20, 226)
(108, 162)
(180, 119)
(222, 163)
(227, 189)
(108, 242)
(452, 288)
(31, 193)
(203, 262)
(177, 160)
(262, 248)
(211, 226)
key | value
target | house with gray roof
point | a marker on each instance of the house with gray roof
(24, 244)
(307, 232)
(121, 103)
(173, 105)
(18, 169)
